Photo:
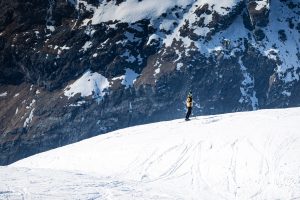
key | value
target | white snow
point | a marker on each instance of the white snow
(133, 10)
(128, 78)
(17, 94)
(51, 28)
(28, 119)
(250, 155)
(31, 104)
(247, 88)
(152, 37)
(202, 31)
(285, 51)
(178, 53)
(271, 53)
(286, 93)
(89, 31)
(79, 103)
(221, 7)
(88, 84)
(262, 4)
(179, 66)
(157, 71)
(4, 94)
(86, 46)
(64, 47)
(167, 25)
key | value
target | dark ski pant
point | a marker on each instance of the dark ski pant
(189, 111)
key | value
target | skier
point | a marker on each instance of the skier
(189, 105)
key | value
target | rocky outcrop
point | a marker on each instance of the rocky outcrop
(259, 12)
(68, 73)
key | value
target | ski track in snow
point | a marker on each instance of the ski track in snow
(250, 155)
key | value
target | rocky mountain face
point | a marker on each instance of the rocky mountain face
(78, 68)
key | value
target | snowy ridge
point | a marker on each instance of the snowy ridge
(146, 9)
(250, 155)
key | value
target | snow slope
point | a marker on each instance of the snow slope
(250, 155)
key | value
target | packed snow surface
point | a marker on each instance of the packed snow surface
(249, 155)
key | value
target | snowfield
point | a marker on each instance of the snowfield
(249, 155)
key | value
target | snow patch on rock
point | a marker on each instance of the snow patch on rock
(262, 4)
(128, 78)
(247, 88)
(4, 94)
(146, 9)
(179, 66)
(28, 119)
(88, 84)
(86, 46)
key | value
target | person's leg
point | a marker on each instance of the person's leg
(188, 113)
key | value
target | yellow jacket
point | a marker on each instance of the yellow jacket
(189, 102)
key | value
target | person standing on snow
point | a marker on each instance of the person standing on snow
(189, 105)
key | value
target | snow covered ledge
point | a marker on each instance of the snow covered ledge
(249, 155)
(88, 84)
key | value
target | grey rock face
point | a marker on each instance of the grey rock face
(234, 57)
(259, 12)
